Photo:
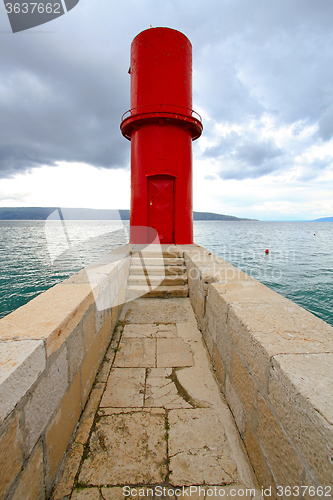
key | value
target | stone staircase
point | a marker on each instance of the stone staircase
(157, 274)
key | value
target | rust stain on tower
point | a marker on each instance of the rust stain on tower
(161, 126)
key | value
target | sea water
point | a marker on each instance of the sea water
(35, 255)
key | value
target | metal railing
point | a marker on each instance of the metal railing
(168, 108)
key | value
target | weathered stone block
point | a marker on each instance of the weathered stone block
(10, 454)
(209, 341)
(259, 461)
(243, 383)
(224, 345)
(218, 365)
(62, 427)
(51, 316)
(31, 482)
(21, 363)
(300, 386)
(46, 398)
(75, 350)
(248, 345)
(235, 404)
(90, 367)
(217, 305)
(106, 333)
(277, 447)
(89, 327)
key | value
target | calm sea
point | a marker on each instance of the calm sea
(35, 255)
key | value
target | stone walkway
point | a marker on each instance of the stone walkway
(156, 424)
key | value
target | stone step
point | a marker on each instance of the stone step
(137, 291)
(158, 254)
(140, 279)
(154, 261)
(158, 270)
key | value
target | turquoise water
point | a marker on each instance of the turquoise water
(35, 255)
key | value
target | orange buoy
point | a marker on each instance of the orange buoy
(266, 251)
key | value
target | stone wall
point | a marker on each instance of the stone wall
(50, 352)
(275, 364)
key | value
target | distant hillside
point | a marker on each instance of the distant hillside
(324, 219)
(42, 213)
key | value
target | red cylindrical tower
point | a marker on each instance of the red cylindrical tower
(161, 126)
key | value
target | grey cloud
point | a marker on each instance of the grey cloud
(241, 158)
(257, 154)
(325, 129)
(62, 94)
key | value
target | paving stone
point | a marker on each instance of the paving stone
(139, 331)
(198, 450)
(194, 492)
(136, 353)
(112, 411)
(155, 311)
(237, 491)
(126, 448)
(173, 353)
(161, 390)
(132, 493)
(115, 493)
(125, 388)
(150, 331)
(87, 494)
(167, 330)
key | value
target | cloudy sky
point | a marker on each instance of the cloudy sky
(262, 81)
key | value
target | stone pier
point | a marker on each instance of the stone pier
(160, 372)
(156, 416)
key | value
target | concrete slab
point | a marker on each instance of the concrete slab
(126, 448)
(125, 388)
(173, 353)
(136, 353)
(198, 449)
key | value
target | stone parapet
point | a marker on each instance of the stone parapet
(50, 352)
(274, 361)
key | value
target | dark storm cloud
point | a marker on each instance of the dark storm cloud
(61, 99)
(62, 94)
(241, 158)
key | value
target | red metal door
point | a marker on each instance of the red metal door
(161, 207)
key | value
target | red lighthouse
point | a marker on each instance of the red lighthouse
(161, 126)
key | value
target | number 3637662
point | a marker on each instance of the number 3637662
(30, 8)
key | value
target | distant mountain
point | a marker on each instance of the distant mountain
(324, 219)
(42, 213)
(211, 216)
